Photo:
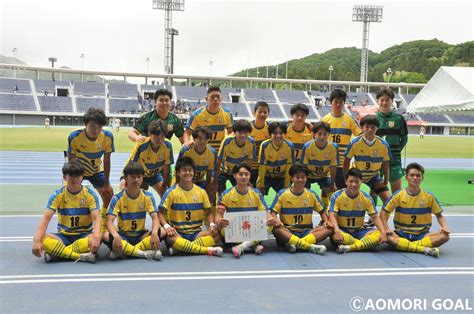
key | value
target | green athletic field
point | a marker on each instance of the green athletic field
(55, 139)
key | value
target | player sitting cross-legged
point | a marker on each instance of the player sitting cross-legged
(413, 209)
(186, 203)
(130, 207)
(78, 236)
(240, 198)
(295, 206)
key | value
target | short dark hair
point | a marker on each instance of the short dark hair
(95, 115)
(184, 161)
(244, 164)
(158, 127)
(385, 91)
(73, 168)
(242, 126)
(369, 119)
(354, 172)
(276, 125)
(203, 129)
(297, 168)
(320, 125)
(338, 93)
(162, 92)
(133, 168)
(213, 89)
(416, 166)
(262, 104)
(299, 107)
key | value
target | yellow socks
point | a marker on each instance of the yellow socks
(80, 246)
(205, 241)
(310, 238)
(366, 242)
(186, 246)
(408, 246)
(426, 242)
(299, 243)
(57, 248)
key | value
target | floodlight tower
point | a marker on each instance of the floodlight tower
(169, 6)
(366, 14)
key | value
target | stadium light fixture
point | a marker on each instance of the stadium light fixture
(331, 68)
(147, 60)
(14, 50)
(168, 6)
(389, 74)
(211, 63)
(52, 60)
(366, 14)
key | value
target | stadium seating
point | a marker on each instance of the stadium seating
(55, 104)
(408, 97)
(191, 92)
(151, 88)
(89, 89)
(462, 118)
(433, 118)
(292, 96)
(83, 103)
(275, 112)
(49, 85)
(227, 91)
(10, 85)
(239, 110)
(123, 105)
(358, 98)
(312, 114)
(123, 90)
(17, 102)
(259, 94)
(324, 110)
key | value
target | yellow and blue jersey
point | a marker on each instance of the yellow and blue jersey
(185, 209)
(131, 212)
(89, 153)
(319, 160)
(298, 138)
(296, 210)
(351, 211)
(341, 130)
(234, 201)
(413, 213)
(232, 154)
(369, 158)
(259, 135)
(204, 162)
(73, 210)
(275, 162)
(218, 123)
(152, 162)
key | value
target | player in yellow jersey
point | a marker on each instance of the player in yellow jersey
(216, 117)
(413, 209)
(371, 154)
(321, 157)
(275, 159)
(130, 207)
(234, 150)
(155, 155)
(295, 206)
(298, 130)
(88, 146)
(343, 126)
(185, 204)
(240, 198)
(77, 206)
(259, 133)
(347, 210)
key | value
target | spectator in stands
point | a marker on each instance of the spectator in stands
(162, 99)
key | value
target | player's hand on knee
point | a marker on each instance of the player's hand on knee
(117, 245)
(328, 225)
(338, 236)
(383, 237)
(445, 230)
(37, 249)
(170, 231)
(388, 231)
(94, 243)
(222, 223)
(154, 242)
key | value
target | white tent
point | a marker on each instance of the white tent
(450, 89)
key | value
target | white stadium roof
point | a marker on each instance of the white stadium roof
(450, 89)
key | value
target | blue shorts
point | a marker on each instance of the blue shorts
(69, 239)
(133, 240)
(301, 234)
(358, 234)
(374, 181)
(151, 181)
(97, 180)
(322, 182)
(188, 236)
(410, 236)
(222, 180)
(276, 183)
(202, 184)
(340, 181)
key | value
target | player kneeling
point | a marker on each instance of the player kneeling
(413, 209)
(295, 206)
(78, 236)
(240, 198)
(186, 203)
(130, 206)
(347, 211)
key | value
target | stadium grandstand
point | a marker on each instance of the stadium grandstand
(28, 101)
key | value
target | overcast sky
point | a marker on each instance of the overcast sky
(118, 35)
